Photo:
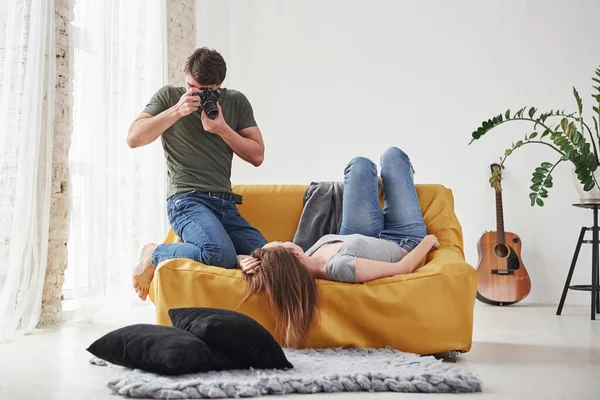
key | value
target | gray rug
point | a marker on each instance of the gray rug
(329, 370)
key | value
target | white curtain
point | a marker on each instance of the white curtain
(118, 194)
(27, 79)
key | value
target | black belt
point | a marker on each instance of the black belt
(236, 198)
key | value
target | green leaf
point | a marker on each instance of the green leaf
(548, 184)
(532, 202)
(507, 114)
(592, 163)
(539, 202)
(578, 99)
(546, 165)
(588, 186)
(596, 109)
(546, 133)
(533, 195)
(532, 111)
(596, 80)
(596, 126)
(519, 144)
(533, 135)
(564, 124)
(537, 181)
(575, 137)
(508, 152)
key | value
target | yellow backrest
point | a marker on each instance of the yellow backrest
(276, 209)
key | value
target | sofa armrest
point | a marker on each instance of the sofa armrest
(171, 236)
(447, 260)
(446, 255)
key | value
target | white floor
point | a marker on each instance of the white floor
(519, 352)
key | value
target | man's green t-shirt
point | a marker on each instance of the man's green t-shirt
(196, 159)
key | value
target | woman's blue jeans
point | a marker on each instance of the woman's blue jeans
(401, 219)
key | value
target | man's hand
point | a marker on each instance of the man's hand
(188, 103)
(218, 126)
(248, 264)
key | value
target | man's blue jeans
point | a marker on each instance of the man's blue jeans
(212, 229)
(401, 220)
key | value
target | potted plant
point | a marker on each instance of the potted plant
(571, 137)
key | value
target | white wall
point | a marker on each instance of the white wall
(333, 79)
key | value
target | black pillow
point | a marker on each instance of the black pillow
(160, 349)
(241, 338)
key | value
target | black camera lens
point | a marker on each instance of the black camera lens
(208, 99)
(210, 108)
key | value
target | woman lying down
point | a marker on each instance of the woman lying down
(372, 244)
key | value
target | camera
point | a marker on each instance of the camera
(208, 102)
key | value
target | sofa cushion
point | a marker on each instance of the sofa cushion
(160, 349)
(238, 336)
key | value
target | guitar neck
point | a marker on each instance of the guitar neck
(499, 219)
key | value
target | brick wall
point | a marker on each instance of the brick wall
(181, 37)
(181, 41)
(59, 210)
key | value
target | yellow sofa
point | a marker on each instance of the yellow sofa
(429, 311)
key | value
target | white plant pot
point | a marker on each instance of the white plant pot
(593, 196)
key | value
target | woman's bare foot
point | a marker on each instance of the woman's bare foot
(144, 271)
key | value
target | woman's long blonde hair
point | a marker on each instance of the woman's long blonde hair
(290, 289)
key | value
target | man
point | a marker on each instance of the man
(198, 151)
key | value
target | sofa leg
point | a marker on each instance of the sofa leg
(448, 356)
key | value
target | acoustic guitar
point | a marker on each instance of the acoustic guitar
(503, 279)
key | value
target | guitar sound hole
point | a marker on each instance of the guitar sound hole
(501, 250)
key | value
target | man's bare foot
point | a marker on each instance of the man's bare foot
(144, 271)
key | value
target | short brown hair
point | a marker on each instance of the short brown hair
(291, 291)
(206, 66)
